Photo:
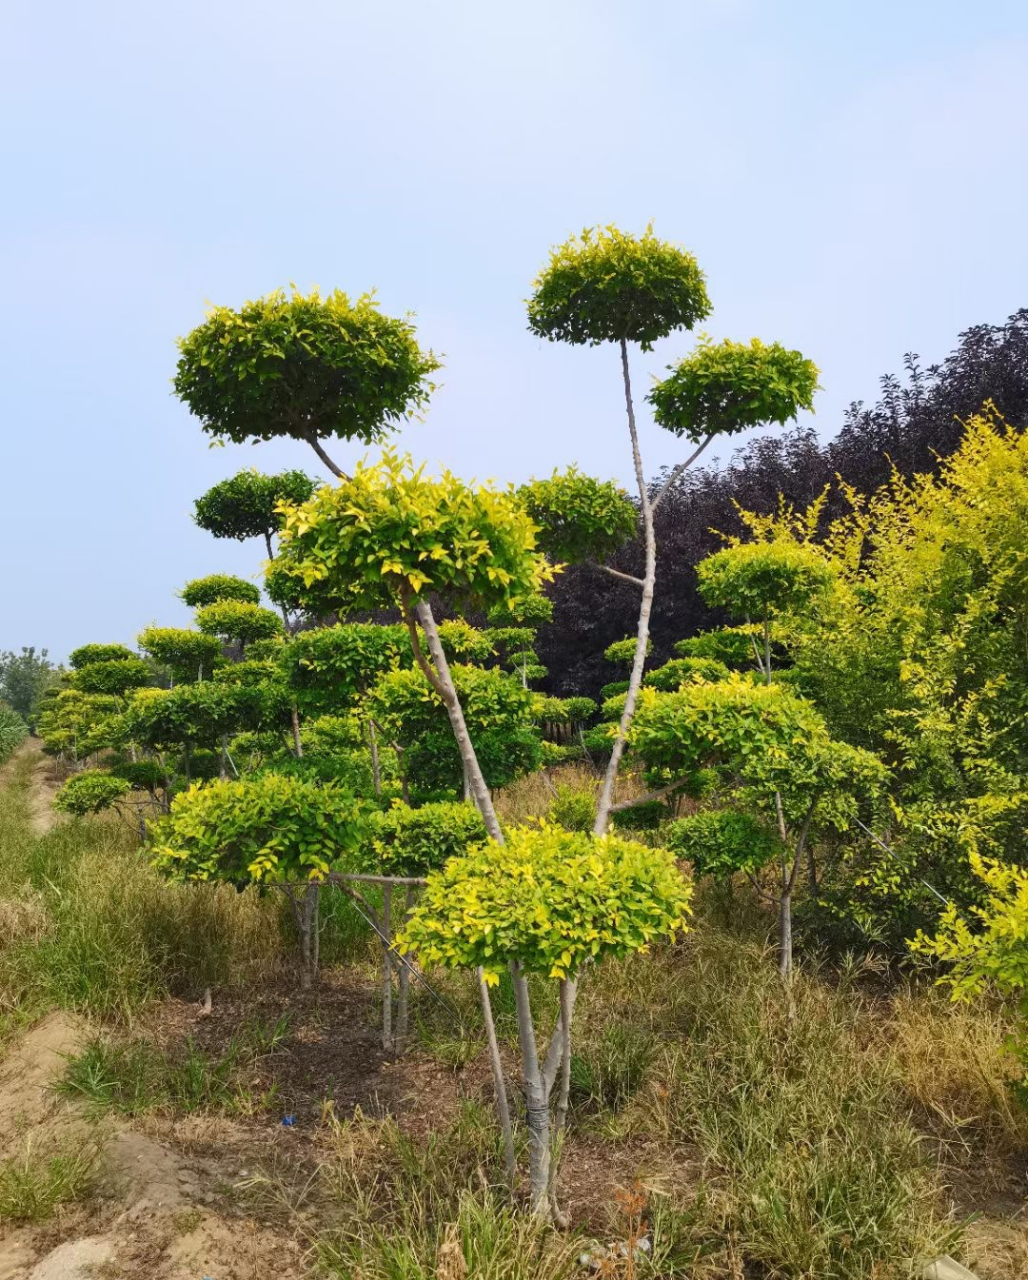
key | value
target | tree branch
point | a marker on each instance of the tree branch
(315, 444)
(801, 843)
(682, 466)
(648, 796)
(431, 675)
(616, 573)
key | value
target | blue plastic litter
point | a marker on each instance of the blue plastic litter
(288, 1121)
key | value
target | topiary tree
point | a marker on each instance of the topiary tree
(238, 621)
(247, 506)
(498, 713)
(770, 750)
(117, 676)
(762, 581)
(189, 655)
(217, 587)
(87, 654)
(605, 286)
(389, 537)
(92, 791)
(270, 830)
(329, 669)
(306, 367)
(547, 903)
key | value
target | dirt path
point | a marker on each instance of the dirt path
(160, 1209)
(43, 784)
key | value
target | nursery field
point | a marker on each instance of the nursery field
(272, 1136)
(342, 935)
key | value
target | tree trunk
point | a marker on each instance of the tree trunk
(294, 717)
(785, 935)
(499, 1079)
(537, 1102)
(314, 927)
(403, 998)
(223, 759)
(447, 691)
(645, 608)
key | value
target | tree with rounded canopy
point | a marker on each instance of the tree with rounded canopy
(547, 903)
(607, 286)
(723, 388)
(306, 367)
(92, 791)
(497, 709)
(761, 581)
(771, 750)
(216, 587)
(246, 505)
(389, 537)
(268, 830)
(189, 654)
(85, 655)
(238, 621)
(579, 518)
(116, 676)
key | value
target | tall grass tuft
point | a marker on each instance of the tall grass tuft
(812, 1166)
(101, 931)
(421, 1209)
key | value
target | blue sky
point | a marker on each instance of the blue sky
(852, 177)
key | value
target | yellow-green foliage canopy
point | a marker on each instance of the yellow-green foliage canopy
(551, 900)
(579, 518)
(267, 828)
(996, 950)
(238, 620)
(392, 532)
(726, 387)
(219, 586)
(760, 579)
(763, 738)
(606, 285)
(304, 366)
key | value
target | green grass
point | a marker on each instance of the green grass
(35, 1183)
(812, 1167)
(420, 1208)
(135, 1076)
(107, 933)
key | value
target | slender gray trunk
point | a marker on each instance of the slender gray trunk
(499, 1079)
(645, 608)
(403, 999)
(537, 1101)
(294, 717)
(443, 683)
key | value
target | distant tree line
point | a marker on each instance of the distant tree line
(916, 421)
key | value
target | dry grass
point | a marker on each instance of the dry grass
(953, 1061)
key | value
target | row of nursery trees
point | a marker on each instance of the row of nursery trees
(291, 746)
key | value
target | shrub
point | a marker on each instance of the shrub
(92, 791)
(412, 842)
(719, 842)
(219, 586)
(573, 809)
(13, 731)
(238, 620)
